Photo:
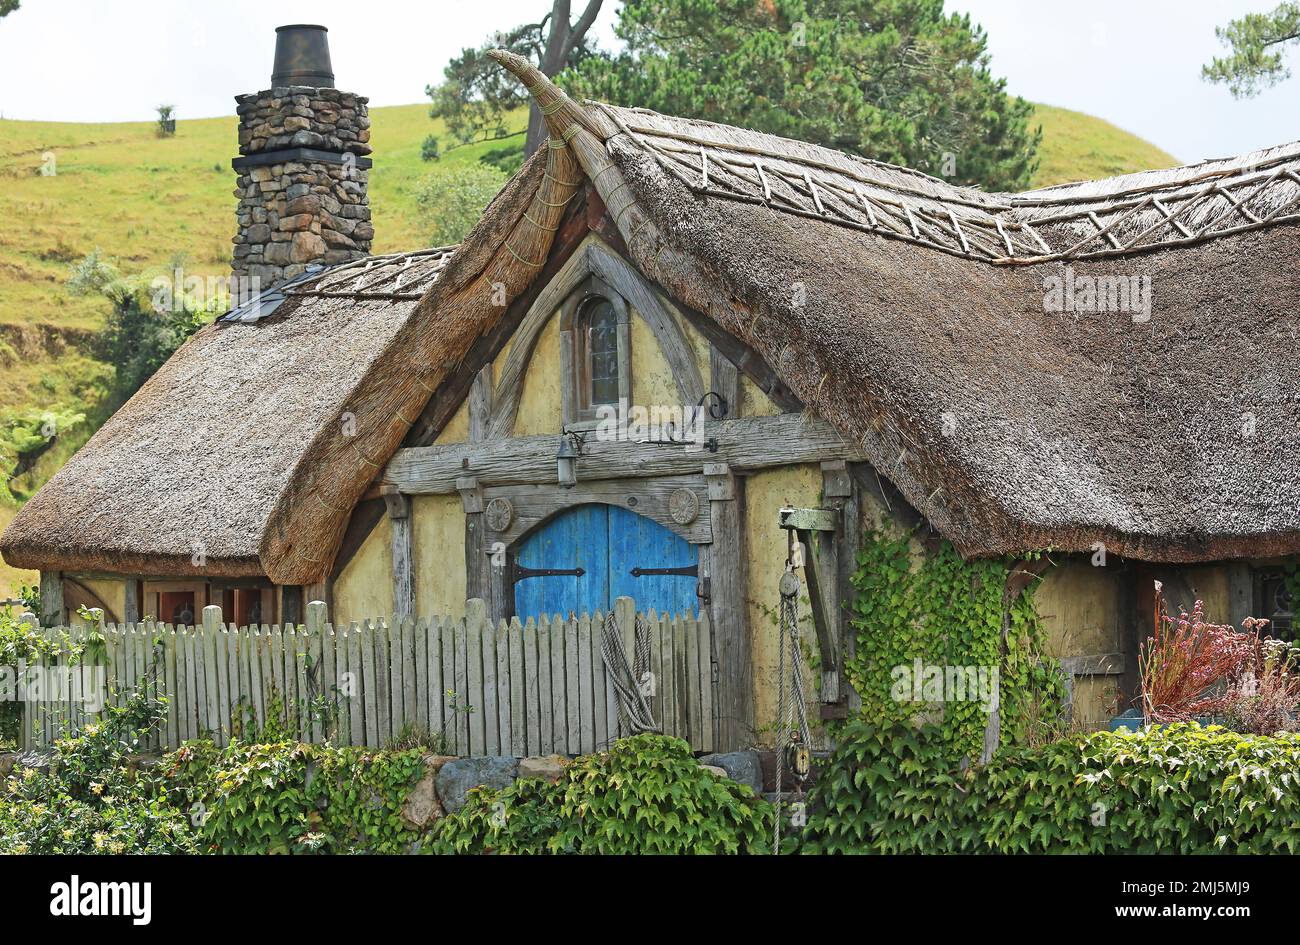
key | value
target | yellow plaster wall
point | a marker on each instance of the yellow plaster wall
(438, 537)
(753, 402)
(364, 590)
(457, 428)
(112, 593)
(653, 383)
(540, 406)
(1080, 608)
(765, 550)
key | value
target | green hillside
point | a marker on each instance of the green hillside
(143, 200)
(1079, 147)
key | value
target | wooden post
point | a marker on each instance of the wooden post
(478, 566)
(130, 600)
(816, 530)
(480, 404)
(840, 491)
(724, 380)
(732, 648)
(53, 611)
(399, 517)
(290, 604)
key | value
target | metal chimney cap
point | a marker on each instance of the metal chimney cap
(302, 57)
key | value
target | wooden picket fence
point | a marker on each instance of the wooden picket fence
(490, 687)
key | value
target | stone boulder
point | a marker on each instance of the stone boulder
(456, 778)
(422, 805)
(546, 767)
(744, 767)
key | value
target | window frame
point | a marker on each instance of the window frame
(575, 353)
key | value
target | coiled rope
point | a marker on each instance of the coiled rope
(634, 710)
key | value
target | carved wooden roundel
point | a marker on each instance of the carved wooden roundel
(499, 513)
(683, 506)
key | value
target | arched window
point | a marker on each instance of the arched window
(597, 336)
(595, 350)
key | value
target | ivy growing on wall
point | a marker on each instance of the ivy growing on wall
(948, 613)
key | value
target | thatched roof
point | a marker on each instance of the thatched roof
(193, 465)
(248, 450)
(906, 311)
(910, 313)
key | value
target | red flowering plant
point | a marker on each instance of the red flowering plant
(1189, 665)
(1264, 698)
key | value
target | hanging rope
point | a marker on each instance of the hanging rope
(633, 708)
(792, 718)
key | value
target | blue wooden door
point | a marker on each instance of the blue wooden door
(607, 543)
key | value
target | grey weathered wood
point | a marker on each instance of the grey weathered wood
(728, 611)
(510, 386)
(355, 681)
(704, 670)
(559, 705)
(490, 710)
(546, 732)
(476, 627)
(536, 687)
(502, 679)
(649, 497)
(746, 444)
(400, 520)
(676, 348)
(130, 600)
(369, 676)
(724, 380)
(1241, 592)
(450, 698)
(480, 404)
(532, 705)
(841, 491)
(53, 611)
(478, 563)
(587, 715)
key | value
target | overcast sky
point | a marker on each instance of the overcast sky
(1133, 62)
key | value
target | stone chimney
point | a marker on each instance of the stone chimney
(302, 167)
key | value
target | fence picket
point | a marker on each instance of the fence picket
(449, 696)
(491, 712)
(535, 687)
(546, 732)
(356, 683)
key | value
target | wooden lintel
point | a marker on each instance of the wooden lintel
(745, 445)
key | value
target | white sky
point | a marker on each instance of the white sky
(1133, 62)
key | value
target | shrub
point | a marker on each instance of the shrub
(89, 800)
(287, 797)
(1179, 788)
(450, 200)
(647, 794)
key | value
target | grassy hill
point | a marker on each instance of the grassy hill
(143, 200)
(1079, 147)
